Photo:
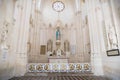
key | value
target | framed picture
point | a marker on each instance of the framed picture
(43, 50)
(113, 52)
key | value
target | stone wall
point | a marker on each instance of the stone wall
(6, 26)
(111, 63)
(14, 27)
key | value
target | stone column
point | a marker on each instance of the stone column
(20, 35)
(95, 38)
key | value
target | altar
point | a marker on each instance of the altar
(57, 59)
(60, 53)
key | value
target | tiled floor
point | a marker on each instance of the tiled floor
(61, 76)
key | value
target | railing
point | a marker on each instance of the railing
(58, 67)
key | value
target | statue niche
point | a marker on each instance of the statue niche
(67, 48)
(49, 47)
(58, 42)
(58, 34)
(58, 38)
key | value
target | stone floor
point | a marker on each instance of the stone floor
(59, 76)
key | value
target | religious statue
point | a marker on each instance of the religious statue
(112, 38)
(49, 45)
(59, 53)
(58, 35)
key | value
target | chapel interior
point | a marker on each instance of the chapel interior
(54, 39)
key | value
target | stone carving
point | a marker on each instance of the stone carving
(3, 42)
(112, 38)
(58, 67)
(4, 32)
(5, 28)
(49, 53)
(59, 52)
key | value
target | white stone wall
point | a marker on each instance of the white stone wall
(26, 24)
(14, 19)
(6, 26)
(21, 30)
(111, 64)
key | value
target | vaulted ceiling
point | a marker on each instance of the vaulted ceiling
(49, 15)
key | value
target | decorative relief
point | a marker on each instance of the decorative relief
(112, 38)
(78, 67)
(58, 67)
(4, 32)
(31, 68)
(71, 67)
(86, 66)
(4, 37)
(46, 67)
(63, 67)
(55, 67)
(39, 67)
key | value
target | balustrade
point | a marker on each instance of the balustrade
(58, 67)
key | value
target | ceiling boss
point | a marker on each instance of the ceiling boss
(58, 6)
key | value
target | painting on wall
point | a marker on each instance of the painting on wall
(113, 52)
(43, 50)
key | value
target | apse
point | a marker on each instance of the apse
(62, 16)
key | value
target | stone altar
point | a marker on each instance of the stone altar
(54, 59)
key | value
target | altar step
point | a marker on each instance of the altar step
(60, 78)
(58, 74)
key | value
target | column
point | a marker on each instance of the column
(20, 35)
(95, 38)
